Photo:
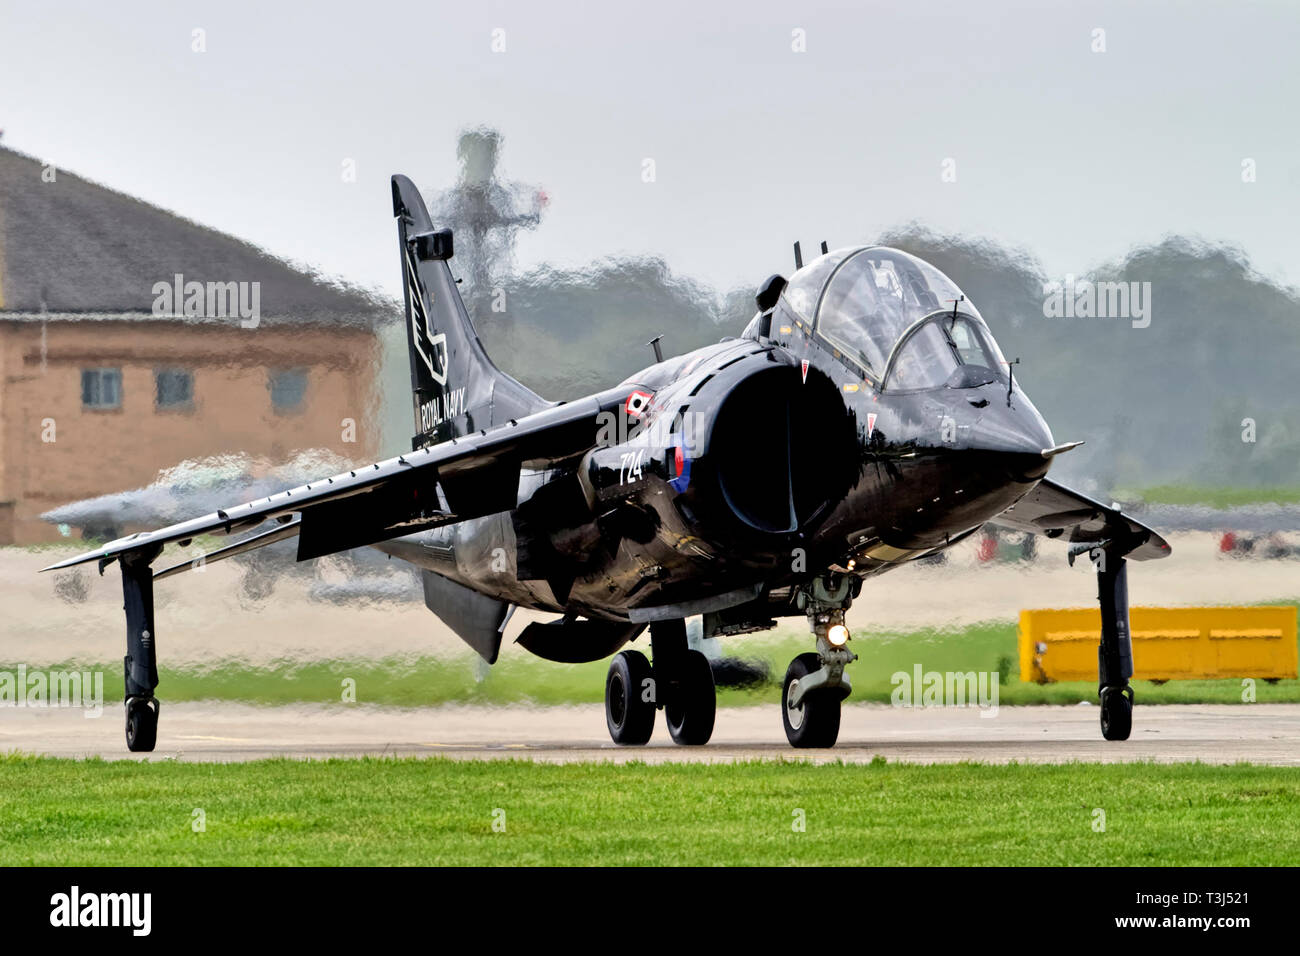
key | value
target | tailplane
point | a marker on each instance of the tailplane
(456, 388)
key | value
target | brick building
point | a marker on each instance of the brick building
(106, 376)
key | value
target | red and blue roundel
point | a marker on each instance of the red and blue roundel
(679, 464)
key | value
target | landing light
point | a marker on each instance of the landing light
(837, 636)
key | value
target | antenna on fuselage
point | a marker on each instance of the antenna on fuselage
(825, 248)
(952, 324)
(798, 256)
(659, 352)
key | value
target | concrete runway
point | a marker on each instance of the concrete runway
(1213, 733)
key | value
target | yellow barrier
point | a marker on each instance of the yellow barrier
(1169, 643)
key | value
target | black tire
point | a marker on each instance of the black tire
(1116, 713)
(816, 721)
(141, 725)
(630, 719)
(691, 711)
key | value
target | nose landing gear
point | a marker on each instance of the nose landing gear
(811, 718)
(816, 684)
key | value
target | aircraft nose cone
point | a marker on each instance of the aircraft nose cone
(1027, 466)
(1017, 436)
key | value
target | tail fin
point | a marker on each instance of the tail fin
(457, 389)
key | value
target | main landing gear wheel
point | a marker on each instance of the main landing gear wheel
(629, 717)
(693, 704)
(141, 724)
(816, 721)
(1116, 712)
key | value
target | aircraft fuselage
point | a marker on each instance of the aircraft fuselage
(812, 468)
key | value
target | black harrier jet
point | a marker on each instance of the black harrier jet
(863, 419)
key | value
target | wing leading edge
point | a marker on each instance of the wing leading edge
(1055, 511)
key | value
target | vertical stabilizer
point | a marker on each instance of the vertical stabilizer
(455, 387)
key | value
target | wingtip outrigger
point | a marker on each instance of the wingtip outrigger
(140, 666)
(1110, 538)
(1115, 649)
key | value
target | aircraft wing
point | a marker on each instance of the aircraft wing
(1053, 510)
(467, 477)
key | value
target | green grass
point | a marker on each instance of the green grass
(521, 678)
(439, 811)
(1214, 496)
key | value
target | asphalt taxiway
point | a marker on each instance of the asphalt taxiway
(1211, 733)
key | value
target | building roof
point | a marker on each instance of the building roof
(74, 248)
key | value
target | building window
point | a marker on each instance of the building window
(288, 386)
(101, 387)
(173, 388)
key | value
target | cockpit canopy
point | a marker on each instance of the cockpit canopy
(905, 323)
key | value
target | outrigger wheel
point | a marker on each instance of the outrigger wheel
(1116, 712)
(142, 724)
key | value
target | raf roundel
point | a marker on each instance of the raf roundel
(638, 403)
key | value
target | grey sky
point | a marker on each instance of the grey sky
(1072, 154)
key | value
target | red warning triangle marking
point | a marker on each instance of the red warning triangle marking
(804, 363)
(871, 423)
